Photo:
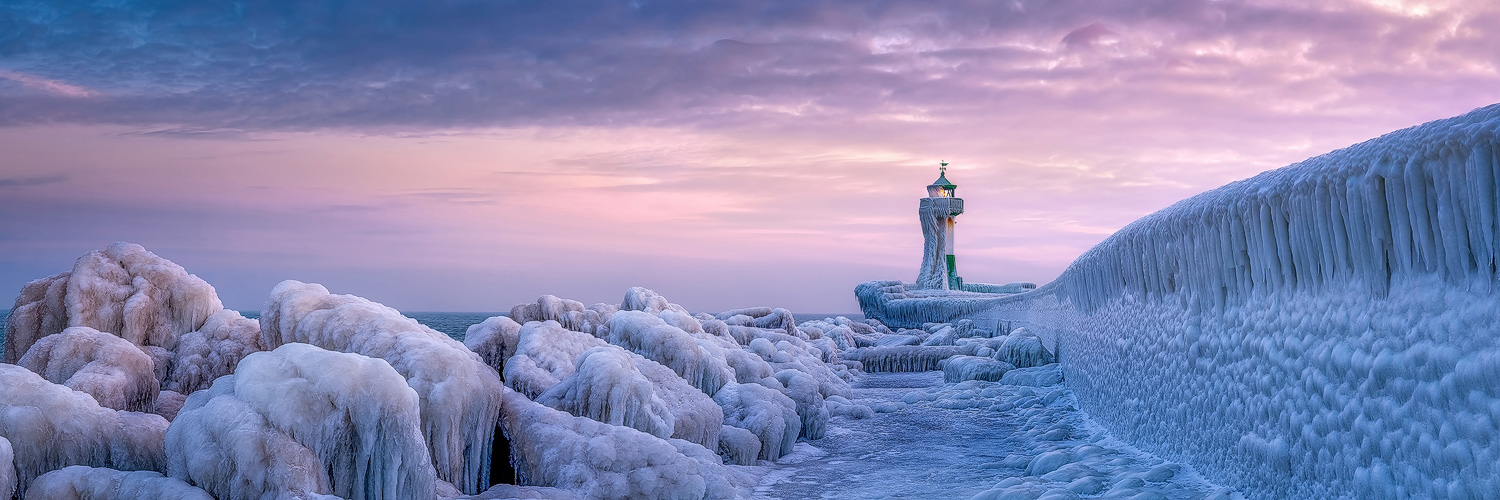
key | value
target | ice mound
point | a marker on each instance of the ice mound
(571, 314)
(494, 340)
(302, 420)
(50, 426)
(89, 483)
(1324, 330)
(606, 386)
(699, 362)
(212, 351)
(598, 460)
(1024, 350)
(112, 370)
(122, 289)
(546, 367)
(459, 392)
(961, 368)
(768, 414)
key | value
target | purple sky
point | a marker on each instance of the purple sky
(467, 156)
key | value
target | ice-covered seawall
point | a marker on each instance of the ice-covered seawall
(1326, 330)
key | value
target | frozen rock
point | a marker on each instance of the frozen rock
(459, 392)
(1024, 350)
(301, 420)
(90, 483)
(115, 372)
(1038, 376)
(597, 460)
(7, 469)
(212, 351)
(698, 361)
(961, 368)
(770, 415)
(571, 314)
(494, 340)
(50, 426)
(647, 300)
(124, 290)
(548, 356)
(739, 446)
(607, 387)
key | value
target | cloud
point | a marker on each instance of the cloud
(7, 182)
(50, 86)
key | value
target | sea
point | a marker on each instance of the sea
(456, 324)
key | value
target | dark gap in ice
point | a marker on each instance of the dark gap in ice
(502, 470)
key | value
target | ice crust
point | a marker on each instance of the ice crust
(302, 420)
(111, 369)
(50, 426)
(212, 351)
(459, 392)
(91, 483)
(7, 469)
(1325, 330)
(124, 290)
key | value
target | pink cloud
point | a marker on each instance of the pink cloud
(50, 86)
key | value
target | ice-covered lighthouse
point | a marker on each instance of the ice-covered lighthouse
(937, 211)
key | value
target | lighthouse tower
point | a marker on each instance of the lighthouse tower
(937, 212)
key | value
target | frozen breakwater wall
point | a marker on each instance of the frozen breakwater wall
(1326, 330)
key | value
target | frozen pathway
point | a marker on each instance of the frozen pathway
(974, 439)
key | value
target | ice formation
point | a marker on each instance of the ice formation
(906, 358)
(50, 426)
(598, 460)
(90, 483)
(701, 363)
(302, 420)
(122, 289)
(546, 366)
(112, 370)
(961, 368)
(459, 392)
(494, 340)
(1325, 330)
(768, 414)
(7, 469)
(212, 351)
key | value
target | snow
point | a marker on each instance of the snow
(89, 483)
(300, 420)
(50, 426)
(112, 370)
(1325, 330)
(597, 460)
(459, 392)
(123, 290)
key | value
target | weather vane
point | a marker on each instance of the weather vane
(943, 167)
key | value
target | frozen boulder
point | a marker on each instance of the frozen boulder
(112, 370)
(571, 314)
(547, 356)
(124, 290)
(647, 300)
(301, 420)
(7, 469)
(699, 361)
(768, 414)
(212, 351)
(50, 426)
(1038, 376)
(597, 460)
(1024, 350)
(961, 368)
(494, 340)
(91, 483)
(906, 358)
(459, 392)
(607, 387)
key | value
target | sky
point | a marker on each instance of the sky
(472, 155)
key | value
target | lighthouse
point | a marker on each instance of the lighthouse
(938, 212)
